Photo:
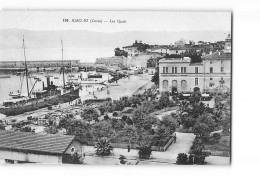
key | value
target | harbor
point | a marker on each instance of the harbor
(123, 87)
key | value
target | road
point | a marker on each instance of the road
(124, 87)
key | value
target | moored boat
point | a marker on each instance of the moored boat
(49, 95)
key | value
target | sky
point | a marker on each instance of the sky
(172, 21)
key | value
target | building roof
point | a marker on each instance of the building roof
(175, 60)
(34, 143)
(217, 56)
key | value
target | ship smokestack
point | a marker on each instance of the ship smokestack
(42, 85)
(48, 81)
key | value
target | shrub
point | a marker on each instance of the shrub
(217, 136)
(106, 117)
(182, 159)
(115, 114)
(124, 118)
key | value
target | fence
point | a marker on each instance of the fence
(124, 143)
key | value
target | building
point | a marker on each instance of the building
(112, 61)
(177, 50)
(213, 73)
(228, 43)
(26, 147)
(131, 50)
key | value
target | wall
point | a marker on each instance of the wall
(28, 157)
(78, 148)
(40, 64)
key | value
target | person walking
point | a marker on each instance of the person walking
(128, 148)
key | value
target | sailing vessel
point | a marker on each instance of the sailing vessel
(49, 95)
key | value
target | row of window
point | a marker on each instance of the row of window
(183, 70)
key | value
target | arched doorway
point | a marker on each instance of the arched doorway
(184, 85)
(165, 85)
(174, 87)
(174, 83)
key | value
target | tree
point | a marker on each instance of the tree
(207, 119)
(102, 129)
(117, 124)
(138, 117)
(170, 122)
(164, 99)
(155, 78)
(89, 114)
(51, 129)
(201, 130)
(103, 147)
(145, 150)
(129, 132)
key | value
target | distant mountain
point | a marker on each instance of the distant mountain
(12, 38)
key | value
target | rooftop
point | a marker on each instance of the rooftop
(217, 56)
(175, 60)
(35, 143)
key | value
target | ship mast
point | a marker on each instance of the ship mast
(63, 68)
(26, 69)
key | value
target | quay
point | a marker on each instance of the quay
(123, 87)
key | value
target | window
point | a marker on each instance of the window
(163, 69)
(211, 78)
(72, 150)
(166, 69)
(222, 62)
(222, 69)
(211, 69)
(196, 70)
(183, 69)
(174, 69)
(196, 81)
(210, 62)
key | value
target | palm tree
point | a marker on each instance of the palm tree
(103, 147)
(145, 150)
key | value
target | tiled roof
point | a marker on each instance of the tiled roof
(35, 143)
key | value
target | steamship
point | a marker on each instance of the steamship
(48, 96)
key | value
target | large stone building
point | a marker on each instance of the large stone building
(27, 147)
(214, 72)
